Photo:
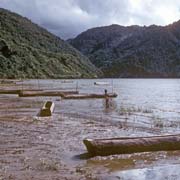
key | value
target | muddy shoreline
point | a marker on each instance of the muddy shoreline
(52, 148)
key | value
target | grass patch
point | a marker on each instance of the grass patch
(131, 110)
(158, 122)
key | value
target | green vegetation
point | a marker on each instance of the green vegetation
(158, 122)
(131, 110)
(133, 51)
(29, 51)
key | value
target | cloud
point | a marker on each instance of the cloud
(68, 18)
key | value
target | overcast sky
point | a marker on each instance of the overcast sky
(68, 18)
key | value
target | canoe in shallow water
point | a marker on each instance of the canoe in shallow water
(47, 109)
(89, 96)
(17, 91)
(105, 147)
(13, 91)
(45, 93)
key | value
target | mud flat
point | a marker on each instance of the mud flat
(52, 147)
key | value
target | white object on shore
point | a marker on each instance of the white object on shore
(101, 83)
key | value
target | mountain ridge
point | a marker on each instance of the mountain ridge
(133, 51)
(30, 51)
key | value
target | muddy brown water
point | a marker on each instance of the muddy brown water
(51, 148)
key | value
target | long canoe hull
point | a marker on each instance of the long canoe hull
(89, 96)
(9, 91)
(45, 93)
(18, 91)
(105, 147)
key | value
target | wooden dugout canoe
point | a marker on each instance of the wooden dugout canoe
(89, 96)
(105, 147)
(45, 93)
(17, 91)
(47, 109)
(10, 91)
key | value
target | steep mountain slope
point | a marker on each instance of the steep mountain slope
(29, 51)
(133, 51)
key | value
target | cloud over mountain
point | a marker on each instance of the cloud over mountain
(70, 17)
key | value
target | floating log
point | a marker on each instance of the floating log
(89, 96)
(105, 147)
(47, 109)
(101, 83)
(45, 93)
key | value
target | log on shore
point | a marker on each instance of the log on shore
(45, 93)
(105, 147)
(47, 109)
(89, 96)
